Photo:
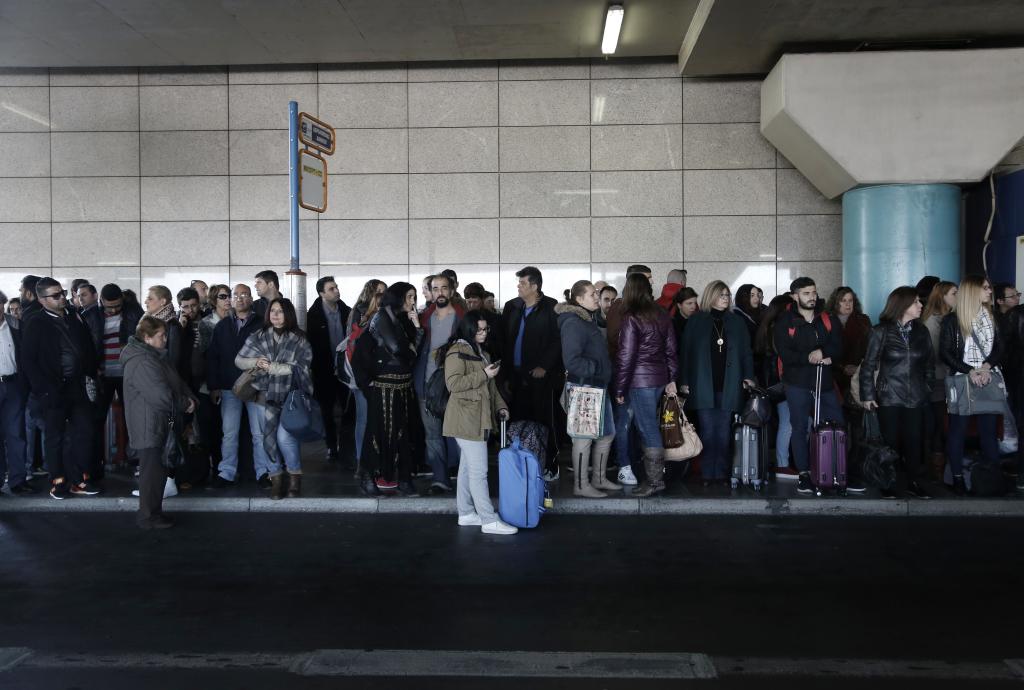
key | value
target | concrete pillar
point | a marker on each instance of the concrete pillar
(894, 234)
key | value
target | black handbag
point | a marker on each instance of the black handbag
(757, 411)
(878, 461)
(173, 455)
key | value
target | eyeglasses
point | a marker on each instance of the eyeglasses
(223, 296)
(485, 329)
(56, 295)
(1011, 295)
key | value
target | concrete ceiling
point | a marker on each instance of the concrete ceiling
(97, 33)
(749, 36)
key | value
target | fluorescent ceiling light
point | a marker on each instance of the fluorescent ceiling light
(612, 26)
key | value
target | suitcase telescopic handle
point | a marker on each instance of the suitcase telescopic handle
(819, 368)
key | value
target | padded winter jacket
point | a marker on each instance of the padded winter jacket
(647, 356)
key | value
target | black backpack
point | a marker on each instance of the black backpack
(435, 394)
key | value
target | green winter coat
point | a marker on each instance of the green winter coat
(474, 400)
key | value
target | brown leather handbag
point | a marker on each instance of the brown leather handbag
(243, 388)
(677, 433)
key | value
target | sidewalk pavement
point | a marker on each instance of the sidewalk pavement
(330, 488)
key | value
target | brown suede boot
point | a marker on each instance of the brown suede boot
(581, 480)
(654, 464)
(294, 485)
(276, 486)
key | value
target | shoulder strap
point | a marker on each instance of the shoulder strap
(827, 320)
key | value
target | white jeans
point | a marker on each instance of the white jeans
(472, 494)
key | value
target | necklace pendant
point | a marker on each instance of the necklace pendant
(720, 343)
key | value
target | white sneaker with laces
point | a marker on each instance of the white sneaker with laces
(550, 476)
(470, 520)
(170, 488)
(498, 527)
(627, 477)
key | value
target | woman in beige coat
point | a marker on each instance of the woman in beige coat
(468, 418)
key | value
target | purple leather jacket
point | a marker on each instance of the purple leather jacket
(647, 354)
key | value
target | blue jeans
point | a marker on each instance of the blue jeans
(231, 420)
(644, 403)
(715, 425)
(801, 407)
(291, 451)
(12, 432)
(360, 421)
(987, 424)
(783, 436)
(622, 416)
(440, 455)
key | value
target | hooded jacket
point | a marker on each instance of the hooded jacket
(795, 338)
(153, 391)
(474, 397)
(584, 351)
(668, 295)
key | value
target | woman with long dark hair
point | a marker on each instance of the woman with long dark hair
(769, 376)
(469, 419)
(750, 306)
(282, 356)
(393, 427)
(940, 302)
(646, 366)
(969, 345)
(900, 352)
(585, 355)
(365, 308)
(844, 306)
(717, 362)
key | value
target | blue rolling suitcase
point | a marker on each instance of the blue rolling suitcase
(520, 485)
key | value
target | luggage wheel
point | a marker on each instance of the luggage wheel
(818, 492)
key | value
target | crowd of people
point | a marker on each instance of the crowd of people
(190, 370)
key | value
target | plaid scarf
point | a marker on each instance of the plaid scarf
(291, 349)
(165, 313)
(983, 332)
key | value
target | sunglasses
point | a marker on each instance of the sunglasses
(222, 296)
(55, 295)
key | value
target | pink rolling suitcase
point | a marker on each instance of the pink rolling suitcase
(828, 449)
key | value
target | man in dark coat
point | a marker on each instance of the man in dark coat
(325, 328)
(532, 367)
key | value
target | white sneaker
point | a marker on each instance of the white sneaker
(470, 520)
(170, 489)
(550, 476)
(498, 527)
(627, 477)
(135, 493)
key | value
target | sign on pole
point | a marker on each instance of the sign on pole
(316, 133)
(312, 181)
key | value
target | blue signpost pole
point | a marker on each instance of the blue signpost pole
(296, 278)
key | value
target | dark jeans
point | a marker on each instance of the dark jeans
(534, 400)
(68, 430)
(987, 424)
(801, 407)
(902, 429)
(327, 395)
(152, 477)
(715, 428)
(208, 417)
(12, 432)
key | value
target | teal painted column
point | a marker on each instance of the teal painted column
(895, 235)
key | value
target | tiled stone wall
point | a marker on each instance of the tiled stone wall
(145, 176)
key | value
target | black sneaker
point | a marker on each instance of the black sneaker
(23, 489)
(158, 522)
(368, 486)
(887, 493)
(84, 489)
(917, 491)
(407, 489)
(959, 487)
(220, 482)
(332, 455)
(803, 483)
(264, 481)
(59, 490)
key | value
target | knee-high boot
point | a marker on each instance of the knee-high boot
(599, 479)
(581, 476)
(654, 464)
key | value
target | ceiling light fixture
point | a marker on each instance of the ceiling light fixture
(612, 26)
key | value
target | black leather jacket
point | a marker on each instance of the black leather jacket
(951, 346)
(396, 342)
(905, 368)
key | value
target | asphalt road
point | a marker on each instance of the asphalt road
(91, 596)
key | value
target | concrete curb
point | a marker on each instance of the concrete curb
(812, 507)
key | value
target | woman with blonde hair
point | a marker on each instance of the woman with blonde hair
(717, 361)
(359, 318)
(969, 344)
(939, 302)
